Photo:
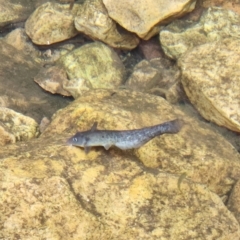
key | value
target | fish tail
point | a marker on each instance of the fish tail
(173, 126)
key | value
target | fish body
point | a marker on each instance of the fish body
(125, 139)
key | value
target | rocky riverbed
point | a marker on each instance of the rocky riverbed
(126, 65)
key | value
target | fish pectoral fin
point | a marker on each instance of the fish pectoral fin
(87, 149)
(107, 146)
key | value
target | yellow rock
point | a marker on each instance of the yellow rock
(141, 17)
(94, 65)
(211, 80)
(15, 126)
(14, 12)
(51, 23)
(234, 201)
(52, 190)
(215, 23)
(93, 20)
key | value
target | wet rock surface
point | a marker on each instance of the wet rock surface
(210, 77)
(233, 203)
(53, 200)
(101, 194)
(19, 40)
(215, 24)
(141, 17)
(151, 49)
(93, 20)
(93, 65)
(51, 23)
(175, 186)
(230, 4)
(156, 76)
(14, 11)
(52, 79)
(18, 91)
(16, 127)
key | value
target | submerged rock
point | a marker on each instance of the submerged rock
(51, 23)
(77, 86)
(101, 194)
(15, 127)
(155, 76)
(234, 201)
(19, 40)
(215, 24)
(141, 17)
(193, 150)
(52, 80)
(18, 91)
(152, 204)
(93, 20)
(211, 80)
(93, 65)
(14, 11)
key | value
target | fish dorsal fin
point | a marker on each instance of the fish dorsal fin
(94, 127)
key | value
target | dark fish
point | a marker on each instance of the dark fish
(125, 139)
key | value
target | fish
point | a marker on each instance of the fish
(123, 139)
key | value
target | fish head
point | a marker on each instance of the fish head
(79, 139)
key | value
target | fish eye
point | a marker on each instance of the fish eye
(74, 139)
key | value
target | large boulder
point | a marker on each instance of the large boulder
(211, 80)
(52, 190)
(142, 17)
